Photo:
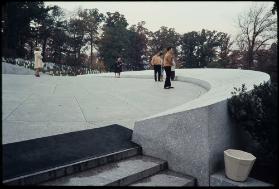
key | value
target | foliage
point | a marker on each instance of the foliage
(163, 38)
(138, 38)
(65, 40)
(114, 40)
(52, 68)
(92, 20)
(76, 39)
(189, 43)
(266, 61)
(200, 49)
(256, 112)
(17, 17)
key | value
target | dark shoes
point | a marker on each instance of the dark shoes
(168, 87)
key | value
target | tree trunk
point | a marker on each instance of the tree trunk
(250, 58)
(21, 48)
(91, 51)
(59, 57)
(44, 48)
(36, 42)
(31, 49)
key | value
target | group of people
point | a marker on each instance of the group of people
(160, 64)
(166, 63)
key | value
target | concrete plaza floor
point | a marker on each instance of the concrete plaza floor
(37, 107)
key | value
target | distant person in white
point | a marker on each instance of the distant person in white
(173, 70)
(162, 73)
(38, 61)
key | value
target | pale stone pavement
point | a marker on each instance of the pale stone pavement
(37, 107)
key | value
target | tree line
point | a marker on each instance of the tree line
(66, 40)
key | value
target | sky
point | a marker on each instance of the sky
(184, 16)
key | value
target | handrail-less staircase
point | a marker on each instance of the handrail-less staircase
(96, 157)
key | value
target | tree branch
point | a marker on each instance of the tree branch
(262, 43)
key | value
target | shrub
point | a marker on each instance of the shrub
(256, 112)
(48, 67)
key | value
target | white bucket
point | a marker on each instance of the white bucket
(238, 164)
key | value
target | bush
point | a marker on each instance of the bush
(256, 112)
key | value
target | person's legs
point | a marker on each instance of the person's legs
(162, 73)
(37, 72)
(169, 76)
(168, 72)
(155, 73)
(159, 72)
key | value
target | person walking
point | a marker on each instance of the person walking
(157, 64)
(38, 61)
(118, 66)
(168, 58)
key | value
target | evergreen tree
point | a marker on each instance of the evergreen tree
(114, 40)
(92, 20)
(17, 19)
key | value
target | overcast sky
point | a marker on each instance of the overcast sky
(183, 16)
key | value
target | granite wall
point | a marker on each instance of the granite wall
(192, 141)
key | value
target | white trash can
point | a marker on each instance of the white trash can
(238, 164)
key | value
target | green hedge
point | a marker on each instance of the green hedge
(256, 112)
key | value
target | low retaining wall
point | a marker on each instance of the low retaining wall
(15, 69)
(193, 136)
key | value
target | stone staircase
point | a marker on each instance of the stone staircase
(119, 162)
(138, 170)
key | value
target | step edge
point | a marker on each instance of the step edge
(124, 181)
(191, 180)
(20, 180)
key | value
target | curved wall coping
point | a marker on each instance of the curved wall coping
(218, 82)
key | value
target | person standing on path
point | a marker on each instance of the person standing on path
(38, 61)
(168, 63)
(118, 66)
(156, 62)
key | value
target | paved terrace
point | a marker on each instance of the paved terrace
(37, 107)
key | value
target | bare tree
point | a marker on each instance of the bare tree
(257, 27)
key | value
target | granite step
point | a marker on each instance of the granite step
(38, 160)
(166, 178)
(219, 179)
(69, 169)
(122, 173)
